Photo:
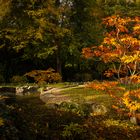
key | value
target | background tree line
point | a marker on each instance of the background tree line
(39, 34)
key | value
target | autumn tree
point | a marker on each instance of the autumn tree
(120, 47)
(120, 50)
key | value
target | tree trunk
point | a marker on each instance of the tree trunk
(58, 61)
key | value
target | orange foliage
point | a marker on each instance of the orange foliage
(121, 45)
(105, 86)
(87, 52)
(108, 73)
(129, 101)
(134, 79)
(41, 76)
(121, 48)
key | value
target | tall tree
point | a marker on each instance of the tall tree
(52, 21)
(86, 28)
(38, 28)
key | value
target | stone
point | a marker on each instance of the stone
(98, 109)
(133, 120)
(19, 90)
(7, 91)
(13, 91)
(26, 90)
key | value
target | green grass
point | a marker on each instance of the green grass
(88, 94)
(131, 87)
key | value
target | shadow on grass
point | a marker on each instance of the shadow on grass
(88, 94)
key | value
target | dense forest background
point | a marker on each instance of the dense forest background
(42, 34)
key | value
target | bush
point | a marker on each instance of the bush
(7, 128)
(79, 109)
(73, 131)
(18, 79)
(87, 77)
(83, 77)
(44, 76)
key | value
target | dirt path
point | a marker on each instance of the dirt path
(55, 95)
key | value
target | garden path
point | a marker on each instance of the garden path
(55, 95)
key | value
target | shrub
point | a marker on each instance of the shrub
(87, 77)
(79, 109)
(44, 76)
(7, 128)
(73, 131)
(18, 79)
(83, 77)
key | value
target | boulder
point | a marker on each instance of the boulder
(7, 91)
(135, 119)
(26, 90)
(13, 91)
(98, 109)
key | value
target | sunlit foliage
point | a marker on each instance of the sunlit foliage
(44, 76)
(120, 47)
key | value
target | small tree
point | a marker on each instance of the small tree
(120, 47)
(44, 76)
